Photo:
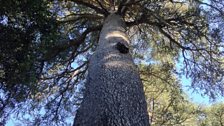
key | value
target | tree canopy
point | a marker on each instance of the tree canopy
(45, 47)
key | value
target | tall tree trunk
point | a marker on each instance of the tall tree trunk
(114, 92)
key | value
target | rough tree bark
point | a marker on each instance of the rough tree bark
(114, 92)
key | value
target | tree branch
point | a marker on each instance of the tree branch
(89, 5)
(77, 17)
(102, 6)
(217, 9)
(123, 6)
(75, 43)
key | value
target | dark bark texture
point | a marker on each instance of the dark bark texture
(114, 93)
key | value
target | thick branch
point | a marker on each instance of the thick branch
(123, 6)
(141, 20)
(98, 10)
(101, 5)
(120, 7)
(78, 17)
(75, 43)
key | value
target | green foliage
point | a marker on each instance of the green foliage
(45, 47)
(166, 102)
(25, 27)
(212, 115)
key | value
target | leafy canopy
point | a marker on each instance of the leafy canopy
(46, 45)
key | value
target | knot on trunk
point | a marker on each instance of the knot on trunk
(122, 47)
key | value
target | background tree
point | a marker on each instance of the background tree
(26, 28)
(167, 103)
(52, 42)
(212, 115)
